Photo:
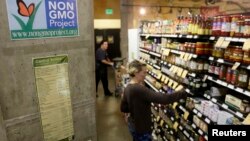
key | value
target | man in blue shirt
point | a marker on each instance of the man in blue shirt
(102, 62)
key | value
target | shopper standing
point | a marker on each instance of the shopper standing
(136, 102)
(102, 62)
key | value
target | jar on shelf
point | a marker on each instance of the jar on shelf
(200, 49)
(217, 69)
(223, 72)
(193, 48)
(239, 28)
(246, 32)
(216, 30)
(246, 57)
(235, 19)
(228, 53)
(225, 26)
(211, 67)
(219, 52)
(237, 54)
(242, 78)
(235, 74)
(245, 106)
(229, 74)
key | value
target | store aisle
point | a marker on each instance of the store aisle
(110, 123)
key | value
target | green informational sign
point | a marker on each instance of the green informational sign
(109, 11)
(31, 19)
(53, 92)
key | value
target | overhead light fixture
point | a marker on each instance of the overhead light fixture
(142, 11)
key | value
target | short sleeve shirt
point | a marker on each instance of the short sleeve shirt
(101, 55)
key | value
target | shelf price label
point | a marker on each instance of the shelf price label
(207, 120)
(246, 45)
(200, 132)
(219, 42)
(224, 106)
(236, 65)
(194, 126)
(239, 114)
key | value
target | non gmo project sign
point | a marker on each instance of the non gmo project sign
(29, 19)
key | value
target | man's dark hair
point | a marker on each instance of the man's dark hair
(103, 41)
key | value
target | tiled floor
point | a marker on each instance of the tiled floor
(110, 123)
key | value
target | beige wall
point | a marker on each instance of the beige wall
(101, 5)
(19, 114)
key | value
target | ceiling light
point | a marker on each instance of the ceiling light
(142, 11)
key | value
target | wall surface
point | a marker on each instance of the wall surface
(101, 5)
(19, 117)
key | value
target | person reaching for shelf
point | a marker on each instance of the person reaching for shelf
(136, 102)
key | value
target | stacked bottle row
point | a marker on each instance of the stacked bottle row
(233, 54)
(199, 48)
(196, 25)
(231, 25)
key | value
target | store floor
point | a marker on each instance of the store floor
(110, 123)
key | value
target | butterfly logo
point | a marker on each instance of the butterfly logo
(25, 10)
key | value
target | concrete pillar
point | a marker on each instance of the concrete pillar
(124, 29)
(3, 136)
(18, 98)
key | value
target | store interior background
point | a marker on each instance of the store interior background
(19, 114)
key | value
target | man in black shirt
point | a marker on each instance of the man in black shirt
(102, 61)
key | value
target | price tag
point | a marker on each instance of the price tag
(184, 74)
(180, 36)
(166, 52)
(194, 126)
(171, 132)
(247, 93)
(187, 90)
(200, 132)
(247, 120)
(204, 78)
(230, 86)
(208, 96)
(179, 72)
(186, 56)
(182, 55)
(206, 137)
(242, 40)
(212, 38)
(190, 56)
(172, 118)
(220, 60)
(186, 114)
(219, 42)
(158, 118)
(195, 111)
(191, 139)
(175, 69)
(239, 114)
(236, 65)
(165, 111)
(170, 83)
(214, 100)
(175, 125)
(195, 37)
(207, 120)
(224, 106)
(246, 45)
(175, 85)
(171, 68)
(224, 83)
(166, 80)
(235, 39)
(174, 105)
(225, 44)
(165, 63)
(147, 35)
(163, 78)
(228, 38)
(180, 127)
(186, 133)
(161, 61)
(199, 114)
(209, 78)
(239, 90)
(179, 88)
(161, 123)
(205, 95)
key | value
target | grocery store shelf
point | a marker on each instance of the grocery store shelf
(144, 50)
(151, 35)
(224, 106)
(180, 52)
(151, 86)
(230, 86)
(202, 117)
(198, 130)
(223, 61)
(232, 39)
(155, 54)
